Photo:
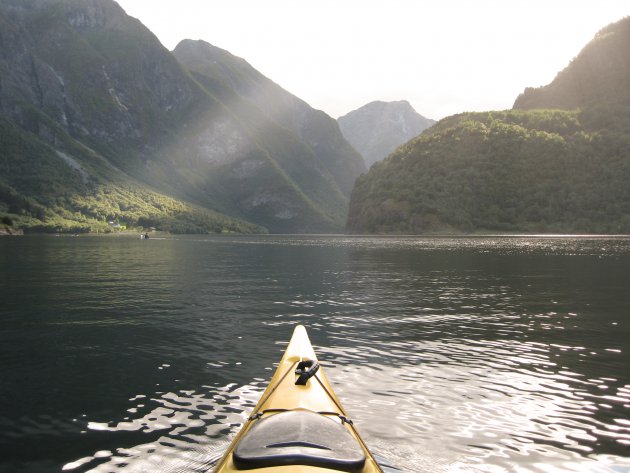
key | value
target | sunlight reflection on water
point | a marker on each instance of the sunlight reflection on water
(451, 354)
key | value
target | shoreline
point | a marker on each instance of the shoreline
(162, 234)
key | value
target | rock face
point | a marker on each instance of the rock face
(241, 86)
(378, 128)
(64, 59)
(103, 103)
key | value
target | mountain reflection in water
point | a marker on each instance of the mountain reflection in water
(451, 354)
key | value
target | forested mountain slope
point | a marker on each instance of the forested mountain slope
(514, 171)
(598, 77)
(539, 170)
(100, 122)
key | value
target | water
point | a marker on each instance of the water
(483, 354)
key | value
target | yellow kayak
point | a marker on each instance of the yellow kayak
(299, 425)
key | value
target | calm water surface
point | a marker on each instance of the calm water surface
(483, 354)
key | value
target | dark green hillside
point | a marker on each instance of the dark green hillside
(533, 169)
(512, 171)
(598, 76)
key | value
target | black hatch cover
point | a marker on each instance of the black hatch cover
(299, 438)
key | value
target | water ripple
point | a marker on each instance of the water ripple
(451, 354)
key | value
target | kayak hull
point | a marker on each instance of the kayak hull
(283, 395)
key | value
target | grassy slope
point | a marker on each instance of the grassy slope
(40, 191)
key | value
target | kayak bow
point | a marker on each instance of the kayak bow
(298, 425)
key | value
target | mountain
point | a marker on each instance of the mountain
(599, 75)
(316, 163)
(378, 128)
(238, 84)
(99, 123)
(536, 168)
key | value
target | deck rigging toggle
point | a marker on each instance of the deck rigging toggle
(305, 370)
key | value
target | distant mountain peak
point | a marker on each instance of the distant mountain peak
(378, 128)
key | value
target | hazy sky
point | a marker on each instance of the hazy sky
(443, 56)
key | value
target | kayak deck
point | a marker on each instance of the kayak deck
(292, 437)
(298, 428)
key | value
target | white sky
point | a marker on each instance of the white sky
(443, 56)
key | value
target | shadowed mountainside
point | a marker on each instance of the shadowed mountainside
(598, 76)
(100, 122)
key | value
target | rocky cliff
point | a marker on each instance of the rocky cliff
(238, 84)
(110, 125)
(378, 128)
